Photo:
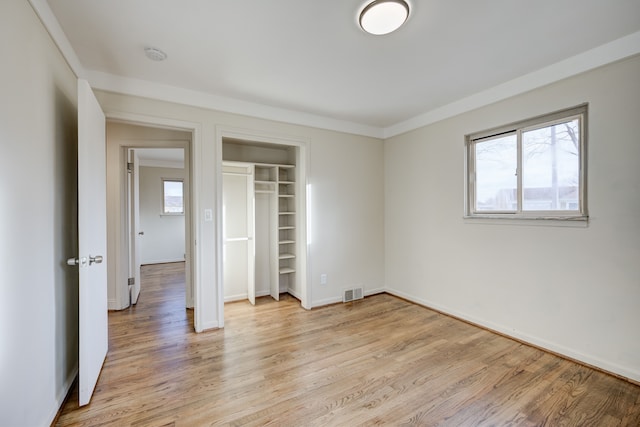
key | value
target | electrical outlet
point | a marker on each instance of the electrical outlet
(323, 279)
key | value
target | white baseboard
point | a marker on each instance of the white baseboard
(374, 291)
(294, 293)
(62, 394)
(607, 366)
(112, 304)
(326, 301)
(207, 326)
(334, 300)
(240, 297)
(162, 261)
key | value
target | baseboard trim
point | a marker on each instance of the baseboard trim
(240, 297)
(326, 301)
(164, 261)
(295, 294)
(63, 395)
(563, 352)
(368, 293)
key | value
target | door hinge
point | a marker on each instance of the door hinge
(132, 281)
(129, 167)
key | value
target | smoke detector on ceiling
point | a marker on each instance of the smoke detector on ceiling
(155, 54)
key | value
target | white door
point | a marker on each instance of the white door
(136, 233)
(92, 240)
(238, 227)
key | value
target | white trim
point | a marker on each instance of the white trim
(155, 163)
(195, 152)
(607, 53)
(62, 393)
(163, 261)
(522, 336)
(112, 304)
(50, 22)
(326, 301)
(244, 296)
(368, 293)
(146, 89)
(302, 162)
(334, 300)
(205, 326)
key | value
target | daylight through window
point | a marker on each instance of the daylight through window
(531, 169)
(172, 197)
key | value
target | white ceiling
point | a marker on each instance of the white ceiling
(309, 59)
(161, 157)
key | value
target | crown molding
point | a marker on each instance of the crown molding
(146, 89)
(616, 50)
(50, 22)
(608, 53)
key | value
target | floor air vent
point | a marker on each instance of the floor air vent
(352, 294)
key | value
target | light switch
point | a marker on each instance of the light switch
(208, 215)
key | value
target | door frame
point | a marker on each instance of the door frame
(118, 240)
(302, 166)
(132, 242)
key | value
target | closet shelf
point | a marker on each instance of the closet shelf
(286, 270)
(286, 256)
(287, 227)
(286, 182)
(286, 195)
(264, 191)
(286, 242)
(263, 182)
(286, 213)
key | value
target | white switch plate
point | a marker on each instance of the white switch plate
(208, 215)
(323, 279)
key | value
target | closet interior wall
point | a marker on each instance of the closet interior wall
(275, 216)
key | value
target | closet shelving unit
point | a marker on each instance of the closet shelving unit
(286, 220)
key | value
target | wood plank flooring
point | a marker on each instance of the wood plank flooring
(380, 361)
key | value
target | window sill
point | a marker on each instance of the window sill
(550, 221)
(171, 214)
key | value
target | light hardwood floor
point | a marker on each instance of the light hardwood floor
(380, 361)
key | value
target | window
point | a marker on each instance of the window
(532, 169)
(172, 197)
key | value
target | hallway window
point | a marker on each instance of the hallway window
(172, 197)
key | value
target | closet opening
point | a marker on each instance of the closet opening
(263, 220)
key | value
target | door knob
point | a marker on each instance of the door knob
(141, 233)
(78, 261)
(95, 259)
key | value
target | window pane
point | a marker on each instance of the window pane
(496, 180)
(173, 199)
(551, 167)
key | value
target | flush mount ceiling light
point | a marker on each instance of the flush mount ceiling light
(383, 16)
(155, 54)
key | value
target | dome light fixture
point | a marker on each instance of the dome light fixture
(383, 16)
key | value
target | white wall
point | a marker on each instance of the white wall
(38, 222)
(346, 201)
(164, 235)
(572, 290)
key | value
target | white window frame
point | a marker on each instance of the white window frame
(578, 112)
(163, 206)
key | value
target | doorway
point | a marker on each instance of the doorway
(158, 215)
(271, 253)
(158, 150)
